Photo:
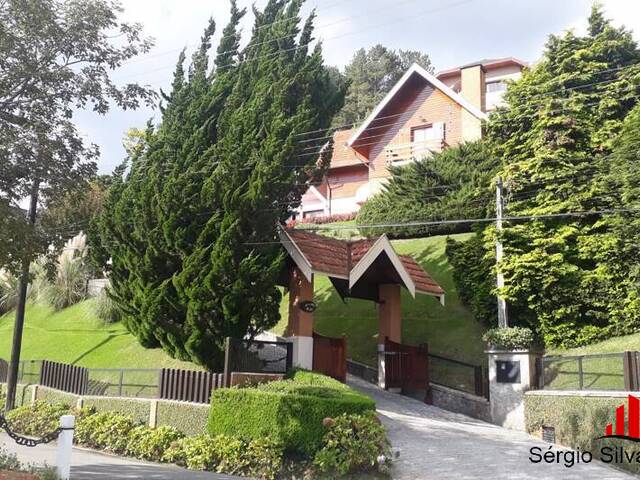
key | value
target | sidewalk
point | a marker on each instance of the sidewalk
(88, 465)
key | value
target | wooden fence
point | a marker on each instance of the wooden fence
(61, 376)
(4, 370)
(188, 385)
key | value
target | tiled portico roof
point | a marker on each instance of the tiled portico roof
(348, 260)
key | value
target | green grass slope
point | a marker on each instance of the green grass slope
(450, 330)
(75, 335)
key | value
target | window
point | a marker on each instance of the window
(425, 133)
(498, 86)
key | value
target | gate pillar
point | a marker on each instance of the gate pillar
(389, 313)
(300, 327)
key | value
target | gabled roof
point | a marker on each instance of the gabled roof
(487, 63)
(417, 70)
(349, 264)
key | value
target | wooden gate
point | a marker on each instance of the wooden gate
(330, 356)
(406, 367)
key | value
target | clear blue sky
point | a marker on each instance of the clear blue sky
(452, 32)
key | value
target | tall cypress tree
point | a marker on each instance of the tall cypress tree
(555, 134)
(193, 224)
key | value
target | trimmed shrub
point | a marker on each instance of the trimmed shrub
(189, 418)
(353, 443)
(290, 411)
(136, 408)
(40, 418)
(509, 338)
(260, 458)
(151, 443)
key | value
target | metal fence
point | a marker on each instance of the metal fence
(459, 375)
(256, 356)
(605, 371)
(124, 382)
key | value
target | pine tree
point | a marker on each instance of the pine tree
(192, 226)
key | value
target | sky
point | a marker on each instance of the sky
(451, 32)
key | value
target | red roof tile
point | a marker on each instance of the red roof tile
(332, 256)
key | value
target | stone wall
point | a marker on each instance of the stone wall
(460, 402)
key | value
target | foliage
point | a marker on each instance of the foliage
(452, 184)
(8, 291)
(69, 285)
(57, 56)
(106, 308)
(186, 417)
(371, 74)
(509, 338)
(259, 458)
(578, 421)
(353, 443)
(151, 443)
(290, 411)
(106, 431)
(573, 280)
(190, 227)
(9, 461)
(474, 276)
(37, 419)
(338, 217)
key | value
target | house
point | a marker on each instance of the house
(422, 114)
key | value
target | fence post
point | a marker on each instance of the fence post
(631, 368)
(227, 366)
(120, 380)
(65, 444)
(580, 374)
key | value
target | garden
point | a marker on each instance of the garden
(307, 425)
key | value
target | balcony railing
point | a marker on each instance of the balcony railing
(401, 153)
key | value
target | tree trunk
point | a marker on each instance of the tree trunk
(12, 379)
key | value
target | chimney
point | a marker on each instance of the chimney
(472, 85)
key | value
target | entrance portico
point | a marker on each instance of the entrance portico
(368, 269)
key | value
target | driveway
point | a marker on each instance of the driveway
(435, 444)
(87, 465)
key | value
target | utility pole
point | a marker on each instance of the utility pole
(503, 318)
(12, 379)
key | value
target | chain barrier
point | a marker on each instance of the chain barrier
(30, 442)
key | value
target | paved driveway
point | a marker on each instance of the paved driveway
(436, 444)
(88, 465)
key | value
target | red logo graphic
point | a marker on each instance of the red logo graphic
(633, 422)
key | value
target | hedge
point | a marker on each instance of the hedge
(189, 418)
(136, 408)
(290, 411)
(577, 420)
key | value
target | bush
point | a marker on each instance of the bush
(224, 454)
(105, 308)
(290, 411)
(106, 431)
(452, 184)
(150, 443)
(509, 338)
(40, 418)
(70, 284)
(353, 443)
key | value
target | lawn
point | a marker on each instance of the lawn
(450, 330)
(75, 335)
(598, 373)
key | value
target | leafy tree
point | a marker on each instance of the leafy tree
(56, 57)
(448, 185)
(371, 74)
(568, 277)
(191, 228)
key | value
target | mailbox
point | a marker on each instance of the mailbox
(507, 371)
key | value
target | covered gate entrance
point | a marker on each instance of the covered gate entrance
(368, 269)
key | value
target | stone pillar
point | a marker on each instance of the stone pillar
(511, 374)
(389, 313)
(300, 327)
